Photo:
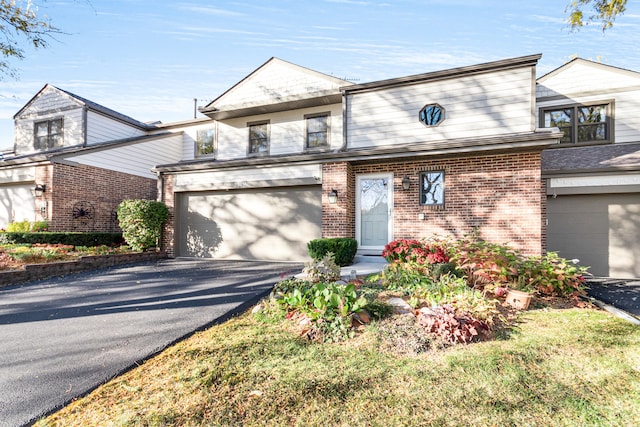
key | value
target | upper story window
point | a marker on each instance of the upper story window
(48, 134)
(204, 142)
(317, 130)
(580, 123)
(258, 138)
(431, 115)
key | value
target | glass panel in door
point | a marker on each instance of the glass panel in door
(373, 193)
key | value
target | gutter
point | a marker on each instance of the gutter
(522, 142)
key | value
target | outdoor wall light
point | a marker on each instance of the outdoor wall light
(406, 183)
(39, 189)
(333, 196)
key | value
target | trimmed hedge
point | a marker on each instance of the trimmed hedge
(343, 248)
(64, 238)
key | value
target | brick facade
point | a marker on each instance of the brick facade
(92, 189)
(501, 195)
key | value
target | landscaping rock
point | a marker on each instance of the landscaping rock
(361, 318)
(400, 306)
(257, 309)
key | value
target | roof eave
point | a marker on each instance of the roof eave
(293, 104)
(518, 142)
(505, 64)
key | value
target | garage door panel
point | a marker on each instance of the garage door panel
(602, 230)
(270, 224)
(17, 203)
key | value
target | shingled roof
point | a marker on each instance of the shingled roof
(592, 159)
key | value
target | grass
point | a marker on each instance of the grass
(560, 367)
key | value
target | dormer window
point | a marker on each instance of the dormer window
(48, 134)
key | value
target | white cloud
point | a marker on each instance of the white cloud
(208, 10)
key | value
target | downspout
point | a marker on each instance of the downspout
(160, 198)
(160, 186)
(344, 121)
(84, 126)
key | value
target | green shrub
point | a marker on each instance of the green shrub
(329, 306)
(343, 248)
(63, 238)
(406, 276)
(39, 226)
(19, 227)
(551, 275)
(141, 222)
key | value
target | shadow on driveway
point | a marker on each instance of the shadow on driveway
(62, 337)
(622, 294)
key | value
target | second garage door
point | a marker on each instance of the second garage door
(601, 230)
(258, 224)
(16, 204)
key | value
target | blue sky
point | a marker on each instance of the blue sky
(150, 58)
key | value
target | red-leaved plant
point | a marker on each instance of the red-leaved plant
(451, 325)
(411, 250)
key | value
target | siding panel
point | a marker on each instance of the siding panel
(101, 128)
(287, 132)
(135, 159)
(492, 104)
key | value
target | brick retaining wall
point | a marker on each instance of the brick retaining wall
(92, 262)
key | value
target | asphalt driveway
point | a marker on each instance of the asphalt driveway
(62, 337)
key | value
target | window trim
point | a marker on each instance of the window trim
(421, 189)
(327, 146)
(258, 153)
(609, 123)
(48, 146)
(196, 149)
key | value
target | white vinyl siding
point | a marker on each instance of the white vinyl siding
(585, 77)
(135, 159)
(589, 83)
(101, 128)
(287, 132)
(247, 178)
(482, 105)
(72, 125)
(275, 82)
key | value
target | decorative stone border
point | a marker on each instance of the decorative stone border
(89, 262)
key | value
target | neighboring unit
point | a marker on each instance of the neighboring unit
(75, 160)
(593, 176)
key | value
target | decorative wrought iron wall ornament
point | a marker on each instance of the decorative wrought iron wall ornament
(83, 213)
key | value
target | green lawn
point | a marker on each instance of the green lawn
(558, 367)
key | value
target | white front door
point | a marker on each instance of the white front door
(374, 202)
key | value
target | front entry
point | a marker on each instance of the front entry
(374, 219)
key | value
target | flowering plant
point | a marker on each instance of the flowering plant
(411, 250)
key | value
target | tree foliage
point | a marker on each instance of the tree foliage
(602, 11)
(19, 23)
(141, 222)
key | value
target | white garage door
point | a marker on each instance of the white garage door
(601, 230)
(260, 224)
(17, 203)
